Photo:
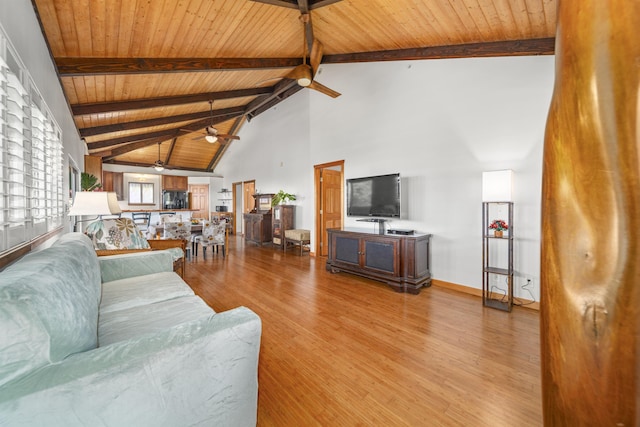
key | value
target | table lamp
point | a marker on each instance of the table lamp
(96, 203)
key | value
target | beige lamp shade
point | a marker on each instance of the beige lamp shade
(497, 186)
(95, 203)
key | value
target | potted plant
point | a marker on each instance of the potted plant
(281, 197)
(498, 226)
(89, 182)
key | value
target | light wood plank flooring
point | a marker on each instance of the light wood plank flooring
(340, 350)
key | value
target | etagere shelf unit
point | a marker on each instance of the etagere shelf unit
(497, 257)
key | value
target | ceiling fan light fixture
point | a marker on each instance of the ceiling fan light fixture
(305, 78)
(211, 138)
(158, 165)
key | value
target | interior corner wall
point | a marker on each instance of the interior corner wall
(274, 151)
(440, 124)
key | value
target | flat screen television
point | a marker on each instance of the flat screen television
(374, 196)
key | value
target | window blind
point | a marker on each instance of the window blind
(31, 194)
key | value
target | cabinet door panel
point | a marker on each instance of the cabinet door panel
(347, 250)
(421, 259)
(380, 256)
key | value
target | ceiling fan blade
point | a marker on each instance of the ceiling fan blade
(229, 136)
(197, 137)
(323, 89)
(316, 55)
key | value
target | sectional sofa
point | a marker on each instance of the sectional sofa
(119, 341)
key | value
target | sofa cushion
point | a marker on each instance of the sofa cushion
(24, 342)
(117, 267)
(136, 322)
(60, 286)
(141, 290)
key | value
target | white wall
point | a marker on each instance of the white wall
(440, 124)
(274, 150)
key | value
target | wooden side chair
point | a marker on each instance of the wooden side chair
(141, 219)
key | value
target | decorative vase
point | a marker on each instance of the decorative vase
(498, 233)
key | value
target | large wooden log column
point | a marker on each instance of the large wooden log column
(590, 303)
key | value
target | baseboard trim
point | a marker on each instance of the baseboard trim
(521, 302)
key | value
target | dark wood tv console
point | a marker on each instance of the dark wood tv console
(402, 262)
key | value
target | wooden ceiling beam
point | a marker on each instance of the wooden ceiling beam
(74, 67)
(167, 159)
(315, 4)
(226, 113)
(543, 46)
(281, 87)
(139, 164)
(138, 104)
(166, 133)
(293, 4)
(303, 6)
(284, 95)
(115, 152)
(235, 128)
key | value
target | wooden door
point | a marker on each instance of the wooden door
(249, 190)
(199, 200)
(329, 202)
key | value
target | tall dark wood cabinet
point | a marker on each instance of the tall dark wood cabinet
(402, 262)
(283, 219)
(257, 223)
(257, 227)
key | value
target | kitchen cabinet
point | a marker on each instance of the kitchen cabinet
(175, 183)
(114, 182)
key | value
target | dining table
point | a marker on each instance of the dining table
(196, 229)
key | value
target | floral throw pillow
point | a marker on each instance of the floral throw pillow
(120, 233)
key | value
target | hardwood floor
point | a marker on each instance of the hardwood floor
(339, 350)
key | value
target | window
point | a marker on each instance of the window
(31, 193)
(141, 193)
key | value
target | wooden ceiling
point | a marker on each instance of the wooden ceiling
(141, 72)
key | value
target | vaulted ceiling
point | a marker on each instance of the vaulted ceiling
(138, 73)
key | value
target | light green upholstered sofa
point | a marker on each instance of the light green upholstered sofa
(119, 341)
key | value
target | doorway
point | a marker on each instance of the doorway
(237, 200)
(329, 195)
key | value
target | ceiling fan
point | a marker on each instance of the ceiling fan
(211, 134)
(304, 73)
(159, 164)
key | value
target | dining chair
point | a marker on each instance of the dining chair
(178, 230)
(212, 235)
(141, 219)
